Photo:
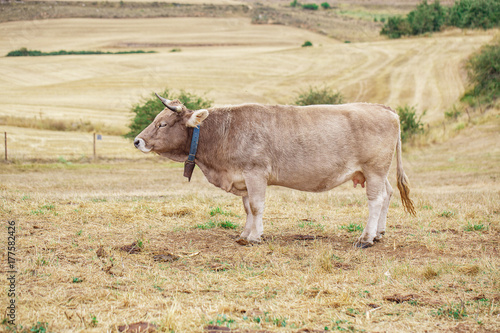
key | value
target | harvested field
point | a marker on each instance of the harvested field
(229, 60)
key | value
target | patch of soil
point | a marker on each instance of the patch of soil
(218, 329)
(398, 298)
(140, 327)
(166, 257)
(466, 328)
(132, 248)
(101, 253)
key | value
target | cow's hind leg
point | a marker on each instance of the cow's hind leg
(376, 193)
(254, 207)
(383, 213)
(249, 224)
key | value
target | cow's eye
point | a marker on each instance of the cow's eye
(162, 125)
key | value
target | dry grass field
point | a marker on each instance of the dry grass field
(78, 271)
(127, 239)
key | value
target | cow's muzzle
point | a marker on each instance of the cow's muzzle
(141, 145)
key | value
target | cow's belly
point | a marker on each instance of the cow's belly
(231, 181)
(314, 182)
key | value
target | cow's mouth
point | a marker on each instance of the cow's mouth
(141, 145)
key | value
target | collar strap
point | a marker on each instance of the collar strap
(189, 164)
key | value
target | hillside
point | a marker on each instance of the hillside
(229, 60)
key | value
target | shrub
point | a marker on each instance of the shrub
(310, 6)
(307, 43)
(317, 95)
(410, 124)
(326, 5)
(453, 113)
(146, 112)
(396, 27)
(483, 71)
(294, 3)
(426, 18)
(475, 14)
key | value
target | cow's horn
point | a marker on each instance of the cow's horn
(166, 101)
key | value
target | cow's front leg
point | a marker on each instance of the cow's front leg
(254, 207)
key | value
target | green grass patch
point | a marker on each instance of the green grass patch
(222, 320)
(39, 327)
(452, 310)
(446, 213)
(77, 280)
(218, 211)
(352, 227)
(44, 210)
(211, 224)
(24, 52)
(475, 227)
(311, 224)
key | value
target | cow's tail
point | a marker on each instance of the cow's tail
(403, 182)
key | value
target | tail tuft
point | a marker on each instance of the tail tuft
(404, 190)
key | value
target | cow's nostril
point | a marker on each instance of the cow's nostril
(136, 142)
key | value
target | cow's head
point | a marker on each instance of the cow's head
(169, 131)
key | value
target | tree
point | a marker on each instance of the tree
(146, 112)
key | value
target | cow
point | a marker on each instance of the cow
(242, 149)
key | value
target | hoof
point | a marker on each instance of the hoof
(242, 241)
(362, 245)
(246, 242)
(379, 236)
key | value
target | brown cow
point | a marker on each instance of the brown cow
(244, 148)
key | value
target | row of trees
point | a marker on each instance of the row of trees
(433, 17)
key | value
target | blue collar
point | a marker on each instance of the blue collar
(189, 164)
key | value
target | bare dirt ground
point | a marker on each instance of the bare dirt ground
(109, 244)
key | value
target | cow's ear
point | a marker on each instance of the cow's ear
(197, 117)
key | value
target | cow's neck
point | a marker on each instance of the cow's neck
(211, 154)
